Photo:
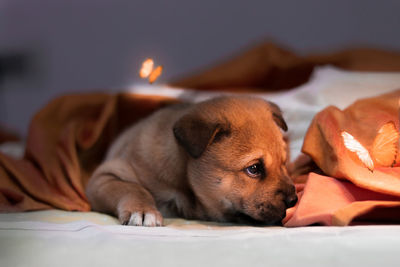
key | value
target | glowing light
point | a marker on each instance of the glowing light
(148, 71)
(147, 68)
(155, 74)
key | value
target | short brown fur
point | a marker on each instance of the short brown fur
(192, 161)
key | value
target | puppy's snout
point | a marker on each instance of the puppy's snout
(291, 200)
(290, 196)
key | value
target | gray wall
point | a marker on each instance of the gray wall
(83, 45)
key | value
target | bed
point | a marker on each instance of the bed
(60, 238)
(66, 238)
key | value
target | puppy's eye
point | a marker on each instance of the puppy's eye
(255, 171)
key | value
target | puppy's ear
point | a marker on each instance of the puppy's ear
(277, 116)
(195, 134)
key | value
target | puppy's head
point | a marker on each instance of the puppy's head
(237, 159)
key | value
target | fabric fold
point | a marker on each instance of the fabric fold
(372, 195)
(67, 140)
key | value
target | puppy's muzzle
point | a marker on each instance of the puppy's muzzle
(287, 193)
(275, 213)
(291, 201)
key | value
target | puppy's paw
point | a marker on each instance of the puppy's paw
(149, 218)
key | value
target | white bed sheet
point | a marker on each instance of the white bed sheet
(60, 238)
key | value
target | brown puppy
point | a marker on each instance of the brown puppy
(223, 159)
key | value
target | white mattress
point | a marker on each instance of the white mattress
(59, 238)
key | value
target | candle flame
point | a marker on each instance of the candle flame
(148, 71)
(147, 68)
(155, 74)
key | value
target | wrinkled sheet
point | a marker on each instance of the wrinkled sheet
(372, 195)
(328, 201)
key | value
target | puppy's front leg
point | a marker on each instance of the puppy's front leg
(130, 202)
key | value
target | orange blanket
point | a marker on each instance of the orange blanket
(372, 195)
(68, 137)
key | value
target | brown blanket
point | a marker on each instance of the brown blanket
(68, 137)
(67, 140)
(271, 67)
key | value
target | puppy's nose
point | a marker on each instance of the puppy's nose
(291, 201)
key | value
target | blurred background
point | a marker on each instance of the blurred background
(52, 47)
